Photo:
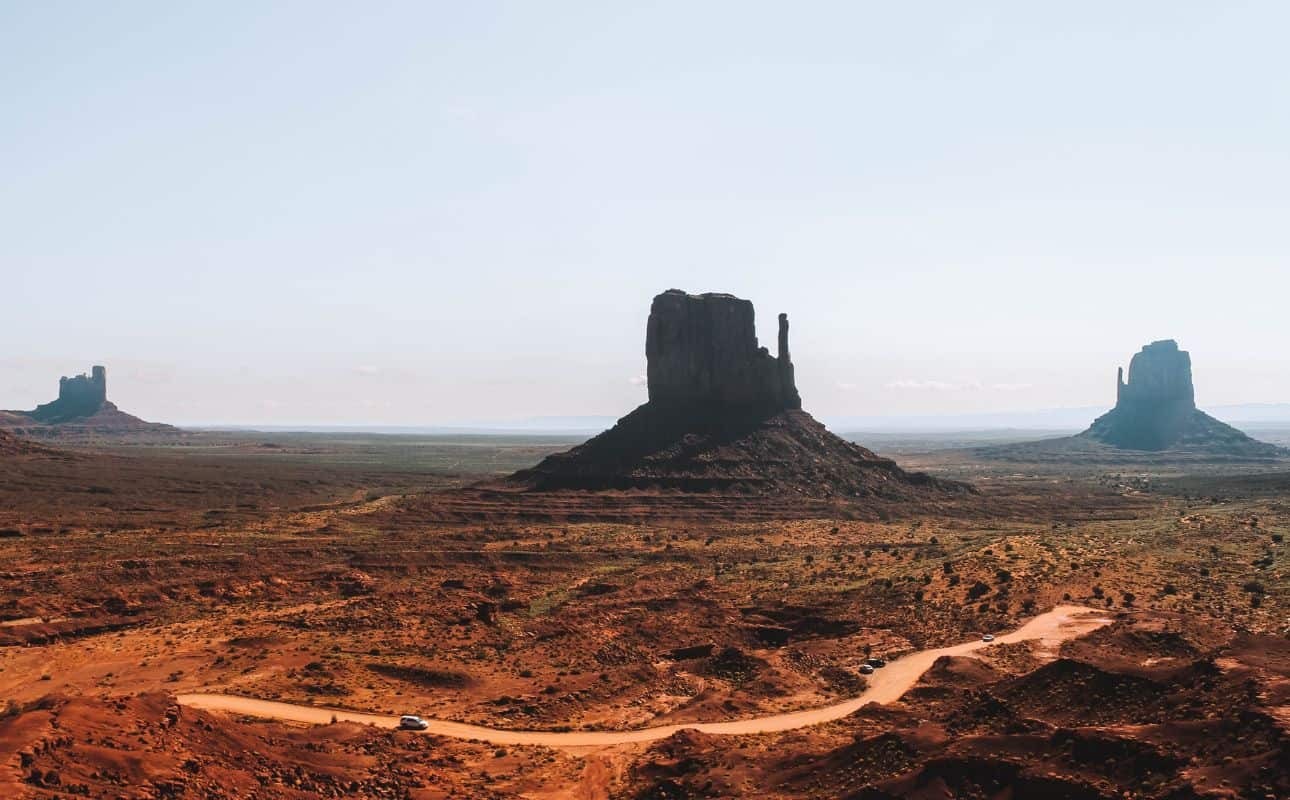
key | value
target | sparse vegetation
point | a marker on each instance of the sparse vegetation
(600, 623)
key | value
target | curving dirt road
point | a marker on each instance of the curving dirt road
(885, 685)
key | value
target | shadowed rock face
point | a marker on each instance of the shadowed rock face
(703, 356)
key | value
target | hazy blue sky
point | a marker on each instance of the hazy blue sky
(439, 212)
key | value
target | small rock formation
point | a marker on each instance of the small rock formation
(724, 415)
(1155, 410)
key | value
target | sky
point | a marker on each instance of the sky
(434, 213)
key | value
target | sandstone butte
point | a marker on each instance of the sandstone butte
(723, 415)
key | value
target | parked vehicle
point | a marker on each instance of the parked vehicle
(876, 663)
(409, 722)
(989, 637)
(866, 669)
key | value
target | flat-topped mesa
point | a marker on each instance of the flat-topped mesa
(702, 357)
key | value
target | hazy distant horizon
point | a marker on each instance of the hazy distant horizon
(1052, 421)
(427, 214)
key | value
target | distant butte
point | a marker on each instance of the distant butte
(1155, 410)
(81, 409)
(1155, 417)
(723, 415)
(79, 397)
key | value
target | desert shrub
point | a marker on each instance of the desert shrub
(978, 589)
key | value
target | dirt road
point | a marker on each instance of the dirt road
(885, 685)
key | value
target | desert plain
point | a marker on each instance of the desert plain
(362, 573)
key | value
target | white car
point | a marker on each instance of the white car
(408, 722)
(866, 669)
(989, 637)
